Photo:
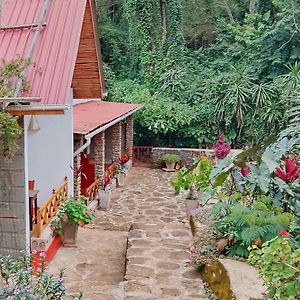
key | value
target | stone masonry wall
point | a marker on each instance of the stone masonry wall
(12, 203)
(98, 144)
(116, 141)
(129, 135)
(187, 155)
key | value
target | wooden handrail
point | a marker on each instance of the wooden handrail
(111, 170)
(92, 190)
(49, 209)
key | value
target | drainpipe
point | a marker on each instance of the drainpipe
(89, 136)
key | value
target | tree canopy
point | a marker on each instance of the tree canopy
(201, 67)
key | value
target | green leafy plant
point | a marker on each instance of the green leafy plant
(19, 281)
(278, 262)
(254, 172)
(170, 157)
(10, 132)
(242, 225)
(72, 211)
(197, 177)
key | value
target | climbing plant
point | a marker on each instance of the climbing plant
(10, 130)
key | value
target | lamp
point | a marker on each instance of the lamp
(33, 124)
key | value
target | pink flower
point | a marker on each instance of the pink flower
(288, 172)
(284, 233)
(42, 254)
(245, 171)
(65, 218)
(52, 228)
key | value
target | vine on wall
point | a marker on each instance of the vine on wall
(10, 130)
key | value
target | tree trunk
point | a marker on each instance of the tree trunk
(252, 6)
(228, 10)
(163, 18)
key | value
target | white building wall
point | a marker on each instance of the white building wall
(50, 153)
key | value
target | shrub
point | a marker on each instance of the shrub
(243, 225)
(279, 265)
(20, 282)
(170, 157)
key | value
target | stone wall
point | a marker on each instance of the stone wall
(187, 155)
(98, 144)
(116, 141)
(129, 135)
(12, 203)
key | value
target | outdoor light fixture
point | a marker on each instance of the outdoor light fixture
(33, 124)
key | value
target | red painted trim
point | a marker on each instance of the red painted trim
(50, 253)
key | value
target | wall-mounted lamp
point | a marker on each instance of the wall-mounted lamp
(33, 124)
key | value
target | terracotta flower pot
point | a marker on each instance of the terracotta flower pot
(31, 184)
(69, 236)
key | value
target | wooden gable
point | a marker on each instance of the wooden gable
(88, 76)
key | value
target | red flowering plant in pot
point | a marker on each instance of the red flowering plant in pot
(72, 214)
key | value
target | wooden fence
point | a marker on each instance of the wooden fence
(49, 209)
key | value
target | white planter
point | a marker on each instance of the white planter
(120, 179)
(104, 198)
(190, 205)
(128, 166)
(170, 165)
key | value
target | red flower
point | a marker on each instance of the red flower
(284, 233)
(123, 159)
(221, 148)
(289, 171)
(245, 171)
(106, 180)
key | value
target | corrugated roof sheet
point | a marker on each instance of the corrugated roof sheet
(54, 56)
(91, 115)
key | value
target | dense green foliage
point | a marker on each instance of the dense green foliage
(201, 67)
(281, 272)
(10, 130)
(244, 224)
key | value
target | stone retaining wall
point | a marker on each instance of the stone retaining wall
(187, 155)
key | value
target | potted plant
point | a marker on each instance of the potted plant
(105, 193)
(121, 172)
(72, 214)
(170, 160)
(195, 180)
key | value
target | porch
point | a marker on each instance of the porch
(103, 134)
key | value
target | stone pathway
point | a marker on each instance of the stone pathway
(147, 215)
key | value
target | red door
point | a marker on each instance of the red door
(87, 173)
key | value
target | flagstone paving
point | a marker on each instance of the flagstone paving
(137, 249)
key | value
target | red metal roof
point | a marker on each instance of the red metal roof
(54, 56)
(91, 115)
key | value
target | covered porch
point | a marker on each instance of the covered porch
(103, 133)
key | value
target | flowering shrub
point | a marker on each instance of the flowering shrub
(20, 283)
(72, 211)
(221, 148)
(123, 159)
(289, 171)
(279, 264)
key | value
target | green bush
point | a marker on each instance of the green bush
(21, 282)
(198, 176)
(170, 157)
(279, 265)
(244, 225)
